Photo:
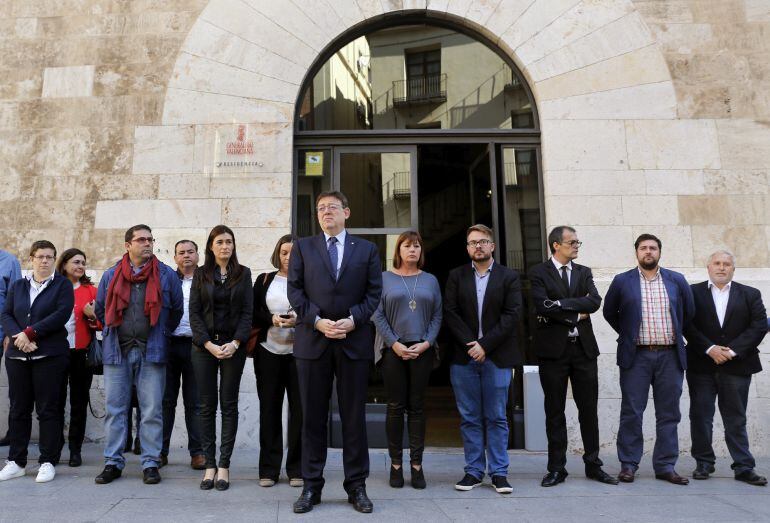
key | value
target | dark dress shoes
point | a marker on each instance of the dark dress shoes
(554, 478)
(75, 459)
(360, 500)
(673, 477)
(626, 476)
(702, 471)
(601, 476)
(306, 500)
(418, 478)
(752, 478)
(198, 462)
(108, 475)
(207, 484)
(396, 477)
(151, 476)
(222, 484)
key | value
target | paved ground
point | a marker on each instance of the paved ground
(73, 496)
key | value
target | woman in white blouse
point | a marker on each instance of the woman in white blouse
(276, 372)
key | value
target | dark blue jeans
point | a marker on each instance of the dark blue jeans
(179, 371)
(661, 370)
(732, 394)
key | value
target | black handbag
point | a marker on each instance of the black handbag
(94, 356)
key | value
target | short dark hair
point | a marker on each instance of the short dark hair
(480, 227)
(140, 227)
(644, 237)
(557, 235)
(41, 244)
(275, 259)
(408, 236)
(333, 194)
(67, 256)
(177, 244)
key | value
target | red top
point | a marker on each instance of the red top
(84, 327)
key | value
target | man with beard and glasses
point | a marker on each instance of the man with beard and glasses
(649, 307)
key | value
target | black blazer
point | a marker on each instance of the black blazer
(744, 328)
(202, 308)
(263, 318)
(500, 314)
(48, 316)
(555, 322)
(313, 292)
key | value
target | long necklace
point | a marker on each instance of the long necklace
(413, 294)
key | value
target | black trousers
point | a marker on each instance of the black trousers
(731, 392)
(79, 376)
(405, 386)
(229, 371)
(36, 384)
(277, 375)
(179, 372)
(315, 387)
(582, 372)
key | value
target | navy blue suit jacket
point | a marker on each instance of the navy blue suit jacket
(623, 311)
(314, 293)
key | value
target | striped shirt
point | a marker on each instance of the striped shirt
(657, 328)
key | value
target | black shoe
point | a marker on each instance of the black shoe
(5, 441)
(163, 461)
(306, 500)
(137, 446)
(468, 482)
(752, 478)
(501, 484)
(75, 459)
(360, 500)
(151, 476)
(222, 484)
(702, 471)
(601, 476)
(108, 475)
(418, 478)
(396, 477)
(554, 478)
(207, 484)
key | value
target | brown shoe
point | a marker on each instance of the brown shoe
(198, 462)
(673, 477)
(626, 476)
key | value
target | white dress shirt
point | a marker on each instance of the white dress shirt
(184, 329)
(574, 332)
(720, 297)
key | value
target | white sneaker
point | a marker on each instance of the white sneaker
(46, 473)
(11, 470)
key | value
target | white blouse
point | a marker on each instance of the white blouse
(280, 340)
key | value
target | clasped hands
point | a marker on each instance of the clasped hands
(476, 351)
(221, 352)
(720, 354)
(411, 352)
(23, 343)
(336, 330)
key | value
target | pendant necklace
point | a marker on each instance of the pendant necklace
(413, 294)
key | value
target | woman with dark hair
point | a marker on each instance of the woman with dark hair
(221, 305)
(408, 320)
(37, 360)
(276, 372)
(81, 327)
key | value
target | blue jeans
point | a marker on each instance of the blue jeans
(481, 391)
(150, 381)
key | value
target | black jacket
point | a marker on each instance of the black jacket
(744, 327)
(202, 308)
(555, 322)
(263, 318)
(501, 311)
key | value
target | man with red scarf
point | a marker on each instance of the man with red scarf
(140, 304)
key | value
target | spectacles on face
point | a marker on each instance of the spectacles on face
(478, 243)
(143, 239)
(44, 257)
(330, 207)
(573, 243)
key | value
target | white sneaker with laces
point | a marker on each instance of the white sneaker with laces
(46, 473)
(11, 470)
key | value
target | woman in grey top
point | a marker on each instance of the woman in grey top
(408, 320)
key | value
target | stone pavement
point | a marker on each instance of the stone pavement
(73, 496)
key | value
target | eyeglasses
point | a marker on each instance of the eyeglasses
(144, 239)
(331, 207)
(478, 243)
(44, 257)
(573, 243)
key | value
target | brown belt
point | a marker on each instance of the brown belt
(655, 348)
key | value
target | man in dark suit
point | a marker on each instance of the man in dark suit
(649, 307)
(722, 355)
(482, 309)
(334, 286)
(564, 295)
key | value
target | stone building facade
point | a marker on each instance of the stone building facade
(654, 117)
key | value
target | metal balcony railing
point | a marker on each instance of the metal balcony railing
(420, 89)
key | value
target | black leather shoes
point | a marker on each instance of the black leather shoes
(360, 500)
(601, 476)
(626, 475)
(306, 500)
(222, 484)
(151, 476)
(396, 477)
(108, 475)
(752, 478)
(673, 477)
(554, 478)
(702, 471)
(75, 459)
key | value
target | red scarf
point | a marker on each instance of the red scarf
(119, 291)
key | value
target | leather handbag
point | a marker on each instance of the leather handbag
(94, 356)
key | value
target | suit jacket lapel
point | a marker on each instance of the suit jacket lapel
(470, 285)
(490, 285)
(556, 275)
(573, 281)
(732, 300)
(708, 302)
(320, 243)
(350, 246)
